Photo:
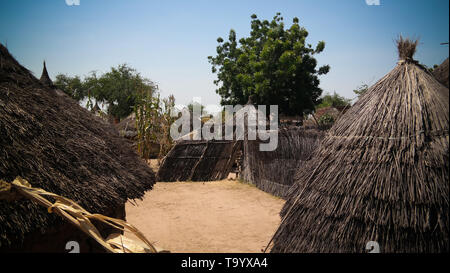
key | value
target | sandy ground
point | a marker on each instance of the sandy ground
(221, 216)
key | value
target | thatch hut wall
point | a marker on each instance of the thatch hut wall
(273, 171)
(381, 173)
(191, 160)
(441, 73)
(55, 144)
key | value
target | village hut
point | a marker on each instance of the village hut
(273, 171)
(324, 117)
(45, 78)
(195, 159)
(441, 73)
(127, 129)
(380, 177)
(56, 145)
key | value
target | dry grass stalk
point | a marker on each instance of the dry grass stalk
(78, 216)
(406, 47)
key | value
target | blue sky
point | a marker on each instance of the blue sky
(169, 41)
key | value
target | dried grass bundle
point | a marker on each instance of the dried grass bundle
(406, 47)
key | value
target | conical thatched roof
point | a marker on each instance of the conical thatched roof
(45, 79)
(127, 126)
(381, 173)
(441, 73)
(60, 147)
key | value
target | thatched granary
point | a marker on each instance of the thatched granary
(127, 127)
(197, 160)
(441, 73)
(45, 78)
(273, 171)
(48, 139)
(204, 160)
(381, 173)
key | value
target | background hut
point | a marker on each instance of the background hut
(204, 160)
(273, 171)
(45, 79)
(196, 160)
(381, 173)
(48, 139)
(324, 117)
(441, 73)
(127, 129)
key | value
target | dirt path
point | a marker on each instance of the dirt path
(222, 216)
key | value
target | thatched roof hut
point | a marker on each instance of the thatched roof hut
(381, 173)
(48, 139)
(207, 160)
(45, 78)
(441, 73)
(198, 160)
(127, 129)
(127, 126)
(273, 171)
(316, 120)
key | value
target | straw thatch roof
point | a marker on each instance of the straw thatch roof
(206, 160)
(55, 144)
(192, 160)
(441, 73)
(96, 108)
(273, 171)
(334, 112)
(381, 173)
(127, 126)
(45, 79)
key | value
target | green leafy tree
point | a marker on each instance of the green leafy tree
(334, 100)
(431, 69)
(274, 65)
(72, 86)
(118, 88)
(360, 90)
(326, 120)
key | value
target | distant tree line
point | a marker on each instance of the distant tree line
(119, 89)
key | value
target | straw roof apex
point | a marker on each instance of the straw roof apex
(45, 78)
(406, 49)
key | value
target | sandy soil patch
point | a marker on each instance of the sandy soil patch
(221, 216)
